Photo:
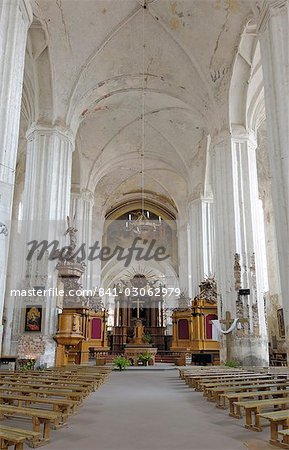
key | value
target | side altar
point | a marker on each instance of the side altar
(192, 324)
(82, 323)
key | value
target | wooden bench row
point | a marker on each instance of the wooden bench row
(253, 392)
(62, 390)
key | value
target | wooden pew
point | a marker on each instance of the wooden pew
(253, 410)
(285, 437)
(66, 407)
(215, 394)
(276, 419)
(38, 417)
(234, 398)
(201, 383)
(74, 396)
(46, 386)
(16, 437)
(91, 383)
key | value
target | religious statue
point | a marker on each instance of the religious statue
(67, 253)
(71, 230)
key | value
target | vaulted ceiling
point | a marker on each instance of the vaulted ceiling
(133, 76)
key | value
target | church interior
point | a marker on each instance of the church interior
(144, 224)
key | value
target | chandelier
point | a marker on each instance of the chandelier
(140, 222)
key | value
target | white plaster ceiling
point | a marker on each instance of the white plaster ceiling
(104, 53)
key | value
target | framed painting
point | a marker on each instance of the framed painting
(33, 318)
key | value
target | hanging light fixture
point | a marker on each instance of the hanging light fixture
(140, 222)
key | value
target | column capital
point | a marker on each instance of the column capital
(42, 129)
(270, 8)
(83, 194)
(192, 201)
(237, 134)
(241, 135)
(87, 196)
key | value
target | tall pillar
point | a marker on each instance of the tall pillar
(45, 207)
(185, 277)
(240, 244)
(81, 206)
(202, 241)
(274, 42)
(15, 19)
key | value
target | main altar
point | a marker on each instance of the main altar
(139, 346)
(138, 299)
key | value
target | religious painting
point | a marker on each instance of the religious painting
(33, 317)
(281, 323)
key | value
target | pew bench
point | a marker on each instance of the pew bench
(48, 385)
(66, 407)
(74, 396)
(285, 438)
(277, 419)
(235, 397)
(253, 410)
(15, 436)
(202, 384)
(38, 417)
(214, 394)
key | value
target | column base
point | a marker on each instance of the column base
(249, 351)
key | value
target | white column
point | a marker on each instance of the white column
(45, 208)
(98, 222)
(185, 278)
(274, 41)
(15, 18)
(202, 241)
(239, 225)
(81, 206)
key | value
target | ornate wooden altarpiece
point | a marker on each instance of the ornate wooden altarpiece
(192, 323)
(147, 307)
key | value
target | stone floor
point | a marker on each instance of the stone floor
(153, 410)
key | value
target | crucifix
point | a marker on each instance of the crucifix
(228, 322)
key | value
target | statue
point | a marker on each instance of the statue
(66, 255)
(71, 230)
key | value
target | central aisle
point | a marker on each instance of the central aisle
(152, 409)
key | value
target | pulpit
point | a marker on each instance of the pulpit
(82, 322)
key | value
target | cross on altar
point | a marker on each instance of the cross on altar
(228, 322)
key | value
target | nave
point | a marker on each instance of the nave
(153, 409)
